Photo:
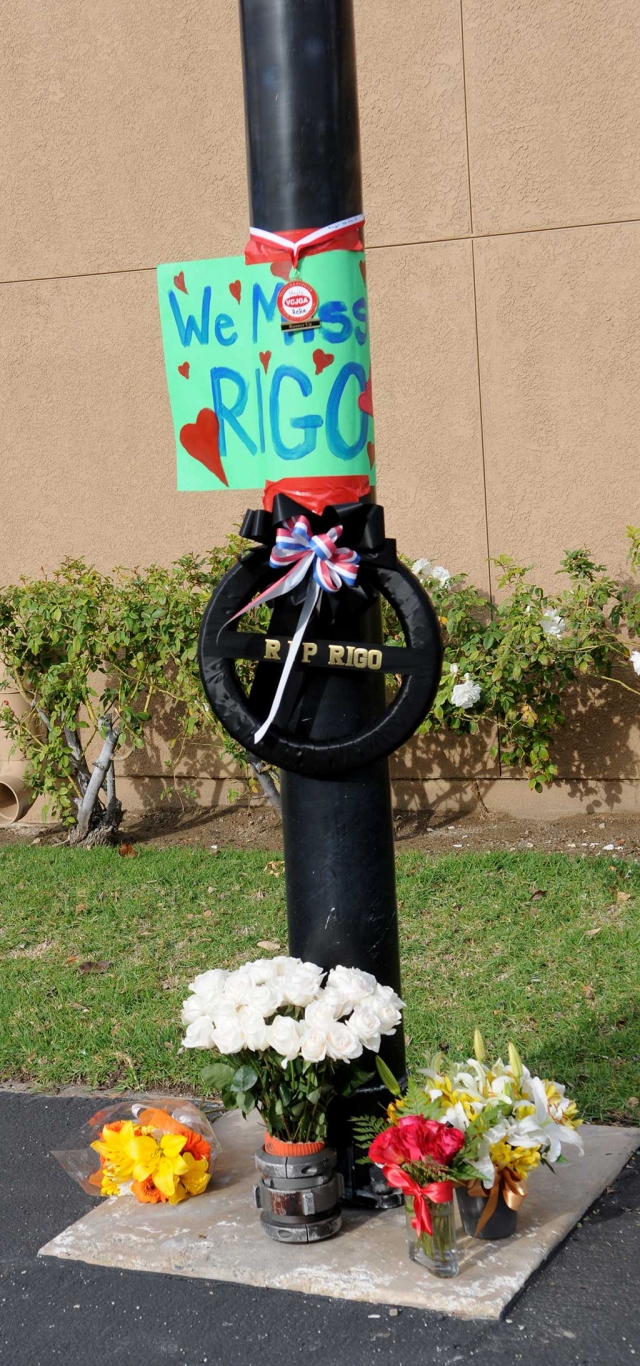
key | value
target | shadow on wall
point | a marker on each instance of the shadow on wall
(601, 737)
(597, 753)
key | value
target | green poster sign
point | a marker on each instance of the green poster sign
(252, 402)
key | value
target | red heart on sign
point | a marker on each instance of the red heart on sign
(365, 402)
(265, 357)
(371, 452)
(321, 360)
(200, 439)
(184, 369)
(282, 269)
(236, 290)
(363, 270)
(179, 283)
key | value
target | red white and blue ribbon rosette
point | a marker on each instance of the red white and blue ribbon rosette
(302, 553)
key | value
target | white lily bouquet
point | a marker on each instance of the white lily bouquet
(514, 1121)
(288, 1035)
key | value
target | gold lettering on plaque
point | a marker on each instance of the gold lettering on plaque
(350, 650)
(360, 658)
(336, 654)
(374, 659)
(309, 649)
(272, 649)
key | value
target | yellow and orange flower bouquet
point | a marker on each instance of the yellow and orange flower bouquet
(160, 1151)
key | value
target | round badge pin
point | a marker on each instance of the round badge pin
(297, 302)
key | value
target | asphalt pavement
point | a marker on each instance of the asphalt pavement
(582, 1307)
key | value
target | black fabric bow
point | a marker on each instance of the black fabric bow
(362, 530)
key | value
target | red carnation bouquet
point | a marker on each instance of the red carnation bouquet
(425, 1158)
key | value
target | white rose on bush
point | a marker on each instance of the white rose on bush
(440, 575)
(466, 694)
(553, 624)
(635, 660)
(425, 570)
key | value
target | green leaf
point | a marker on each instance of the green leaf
(244, 1078)
(218, 1074)
(387, 1077)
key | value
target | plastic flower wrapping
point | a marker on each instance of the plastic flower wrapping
(160, 1151)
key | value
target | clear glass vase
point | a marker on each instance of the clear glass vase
(435, 1251)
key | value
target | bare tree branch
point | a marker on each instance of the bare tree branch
(266, 782)
(100, 772)
(82, 769)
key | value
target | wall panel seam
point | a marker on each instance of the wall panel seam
(477, 339)
(378, 246)
(466, 118)
(482, 452)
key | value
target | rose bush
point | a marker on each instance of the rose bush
(92, 654)
(517, 656)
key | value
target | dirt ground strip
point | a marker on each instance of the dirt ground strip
(256, 826)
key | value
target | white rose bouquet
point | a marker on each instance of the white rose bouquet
(288, 1035)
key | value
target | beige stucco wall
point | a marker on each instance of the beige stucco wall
(502, 169)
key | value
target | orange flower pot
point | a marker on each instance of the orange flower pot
(278, 1148)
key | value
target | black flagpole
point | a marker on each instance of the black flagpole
(303, 151)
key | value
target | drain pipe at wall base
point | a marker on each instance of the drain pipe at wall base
(15, 797)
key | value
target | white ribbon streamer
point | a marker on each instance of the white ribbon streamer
(313, 593)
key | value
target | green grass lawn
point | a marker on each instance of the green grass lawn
(558, 973)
